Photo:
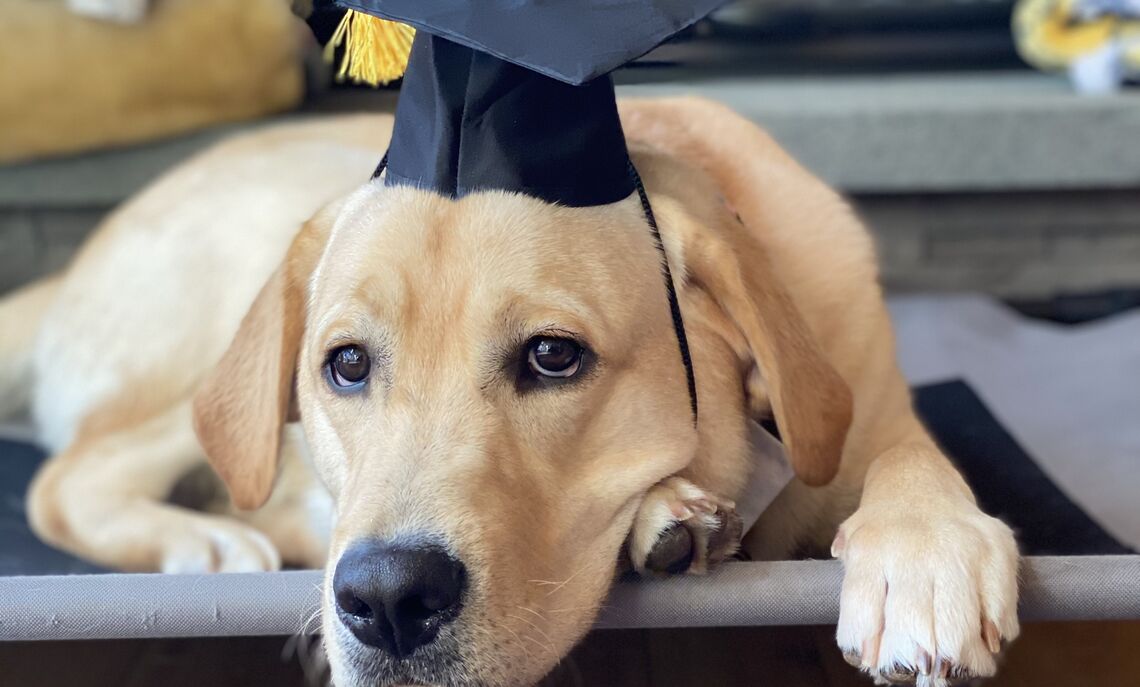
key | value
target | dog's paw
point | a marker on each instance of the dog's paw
(928, 598)
(214, 544)
(681, 528)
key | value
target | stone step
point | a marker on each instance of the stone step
(1003, 181)
(954, 132)
(949, 132)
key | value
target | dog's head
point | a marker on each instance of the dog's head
(488, 386)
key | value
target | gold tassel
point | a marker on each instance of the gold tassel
(375, 50)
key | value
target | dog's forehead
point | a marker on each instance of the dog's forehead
(494, 246)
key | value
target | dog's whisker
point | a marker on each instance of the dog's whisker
(307, 649)
(577, 609)
(297, 642)
(548, 648)
(536, 627)
(561, 585)
(532, 611)
(553, 583)
(308, 628)
(305, 644)
(518, 641)
(312, 622)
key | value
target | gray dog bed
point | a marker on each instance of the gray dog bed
(738, 594)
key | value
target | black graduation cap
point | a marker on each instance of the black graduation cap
(516, 95)
(574, 41)
(468, 121)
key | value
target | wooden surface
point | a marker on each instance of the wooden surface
(1049, 654)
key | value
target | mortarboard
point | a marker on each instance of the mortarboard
(515, 95)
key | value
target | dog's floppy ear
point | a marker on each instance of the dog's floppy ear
(241, 407)
(812, 404)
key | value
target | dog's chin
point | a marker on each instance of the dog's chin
(448, 661)
(356, 665)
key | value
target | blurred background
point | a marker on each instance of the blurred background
(978, 170)
(992, 146)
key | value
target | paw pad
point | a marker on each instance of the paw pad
(682, 529)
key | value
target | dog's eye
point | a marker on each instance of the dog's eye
(348, 366)
(553, 357)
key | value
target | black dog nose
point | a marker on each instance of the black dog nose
(396, 597)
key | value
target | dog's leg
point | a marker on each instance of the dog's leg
(102, 499)
(681, 528)
(20, 317)
(930, 585)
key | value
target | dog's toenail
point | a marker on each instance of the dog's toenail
(870, 652)
(852, 658)
(704, 506)
(943, 668)
(680, 511)
(923, 662)
(992, 636)
(838, 545)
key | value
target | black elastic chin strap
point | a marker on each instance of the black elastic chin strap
(380, 167)
(670, 290)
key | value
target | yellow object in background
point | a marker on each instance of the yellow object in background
(375, 50)
(1097, 41)
(69, 83)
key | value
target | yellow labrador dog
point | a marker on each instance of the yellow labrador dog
(490, 393)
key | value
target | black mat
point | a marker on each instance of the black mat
(1004, 477)
(21, 553)
(1006, 480)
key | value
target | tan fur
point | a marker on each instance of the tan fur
(23, 310)
(537, 492)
